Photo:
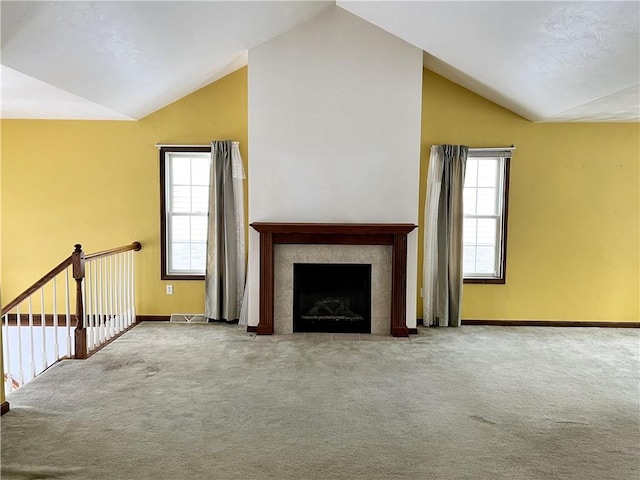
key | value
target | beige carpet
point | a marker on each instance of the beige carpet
(184, 401)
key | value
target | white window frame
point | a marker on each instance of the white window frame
(167, 213)
(502, 200)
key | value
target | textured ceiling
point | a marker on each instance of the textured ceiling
(136, 57)
(543, 60)
(27, 97)
(547, 61)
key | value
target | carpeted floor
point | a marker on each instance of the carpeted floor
(184, 401)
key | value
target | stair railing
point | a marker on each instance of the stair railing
(33, 340)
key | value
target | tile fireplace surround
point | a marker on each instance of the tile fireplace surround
(393, 235)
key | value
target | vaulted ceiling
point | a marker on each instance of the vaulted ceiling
(547, 61)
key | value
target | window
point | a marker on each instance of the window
(486, 192)
(184, 204)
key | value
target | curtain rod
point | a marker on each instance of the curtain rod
(494, 149)
(163, 145)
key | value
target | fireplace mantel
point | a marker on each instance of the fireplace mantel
(394, 234)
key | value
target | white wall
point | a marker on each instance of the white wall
(334, 131)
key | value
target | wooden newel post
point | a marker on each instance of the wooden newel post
(77, 261)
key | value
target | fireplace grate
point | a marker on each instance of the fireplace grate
(333, 298)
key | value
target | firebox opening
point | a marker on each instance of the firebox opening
(332, 297)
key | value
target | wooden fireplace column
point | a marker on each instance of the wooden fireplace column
(394, 234)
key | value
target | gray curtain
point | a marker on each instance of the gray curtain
(443, 236)
(224, 282)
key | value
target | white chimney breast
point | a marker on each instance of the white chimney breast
(334, 131)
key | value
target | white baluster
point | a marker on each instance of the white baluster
(109, 292)
(96, 325)
(90, 316)
(20, 361)
(130, 255)
(108, 297)
(102, 319)
(6, 353)
(68, 316)
(123, 307)
(116, 296)
(43, 320)
(123, 289)
(31, 341)
(127, 287)
(105, 297)
(56, 346)
(123, 303)
(85, 322)
(133, 285)
(88, 306)
(120, 302)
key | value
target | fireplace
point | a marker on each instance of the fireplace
(332, 297)
(391, 237)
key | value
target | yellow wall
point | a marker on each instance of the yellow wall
(573, 248)
(97, 183)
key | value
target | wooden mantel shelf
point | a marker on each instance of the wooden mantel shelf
(335, 228)
(394, 234)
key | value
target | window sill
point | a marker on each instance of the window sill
(181, 277)
(488, 281)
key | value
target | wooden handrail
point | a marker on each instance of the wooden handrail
(112, 251)
(60, 268)
(36, 286)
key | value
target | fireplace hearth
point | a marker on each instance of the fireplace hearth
(332, 298)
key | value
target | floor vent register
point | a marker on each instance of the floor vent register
(188, 318)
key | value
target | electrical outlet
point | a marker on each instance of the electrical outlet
(169, 289)
(422, 292)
